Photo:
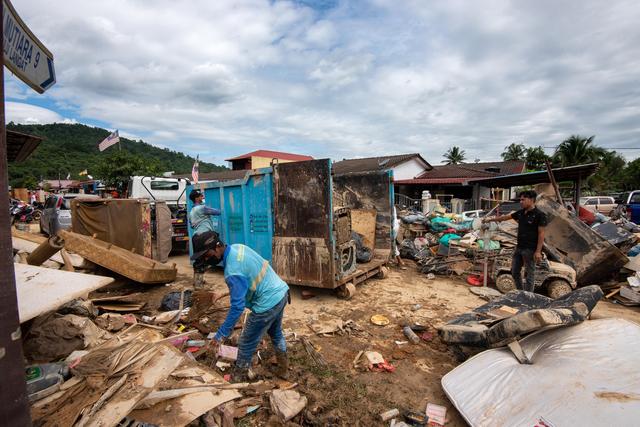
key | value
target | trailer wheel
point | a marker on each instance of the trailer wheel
(347, 291)
(505, 283)
(558, 288)
(383, 273)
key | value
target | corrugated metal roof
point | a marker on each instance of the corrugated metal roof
(375, 163)
(475, 170)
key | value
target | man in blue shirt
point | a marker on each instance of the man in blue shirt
(200, 221)
(253, 284)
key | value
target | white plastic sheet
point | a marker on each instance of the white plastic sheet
(583, 375)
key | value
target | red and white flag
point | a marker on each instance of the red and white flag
(195, 172)
(114, 138)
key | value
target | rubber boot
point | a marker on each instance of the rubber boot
(240, 375)
(283, 364)
(198, 280)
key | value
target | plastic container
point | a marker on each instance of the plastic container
(45, 379)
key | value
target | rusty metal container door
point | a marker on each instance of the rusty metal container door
(369, 190)
(303, 246)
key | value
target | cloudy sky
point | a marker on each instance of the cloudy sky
(340, 79)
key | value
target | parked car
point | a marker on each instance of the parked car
(56, 214)
(602, 204)
(471, 215)
(630, 202)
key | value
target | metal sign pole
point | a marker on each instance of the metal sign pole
(14, 409)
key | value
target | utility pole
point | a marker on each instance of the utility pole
(14, 409)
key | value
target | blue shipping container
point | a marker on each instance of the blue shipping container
(246, 205)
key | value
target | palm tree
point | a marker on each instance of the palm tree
(536, 158)
(577, 150)
(514, 152)
(453, 156)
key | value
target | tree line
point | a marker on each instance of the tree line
(614, 173)
(68, 149)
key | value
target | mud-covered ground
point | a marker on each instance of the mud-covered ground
(340, 394)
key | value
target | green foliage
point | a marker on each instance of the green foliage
(118, 166)
(577, 150)
(610, 175)
(631, 175)
(70, 148)
(536, 158)
(514, 152)
(453, 156)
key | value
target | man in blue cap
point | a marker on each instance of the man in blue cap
(253, 284)
(200, 221)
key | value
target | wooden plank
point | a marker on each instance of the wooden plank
(35, 238)
(28, 246)
(123, 402)
(44, 289)
(192, 405)
(119, 260)
(363, 221)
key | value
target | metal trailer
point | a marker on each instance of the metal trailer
(298, 217)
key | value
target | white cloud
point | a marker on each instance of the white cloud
(32, 115)
(342, 79)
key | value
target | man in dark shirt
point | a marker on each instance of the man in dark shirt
(531, 223)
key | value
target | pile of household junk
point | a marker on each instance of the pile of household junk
(574, 253)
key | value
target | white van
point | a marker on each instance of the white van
(170, 190)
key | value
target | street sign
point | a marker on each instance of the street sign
(24, 54)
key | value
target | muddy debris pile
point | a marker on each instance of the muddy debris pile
(578, 250)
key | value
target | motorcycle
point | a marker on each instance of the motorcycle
(25, 213)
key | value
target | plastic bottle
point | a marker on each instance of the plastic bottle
(411, 336)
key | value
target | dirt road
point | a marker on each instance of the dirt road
(341, 395)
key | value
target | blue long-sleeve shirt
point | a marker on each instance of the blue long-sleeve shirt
(200, 218)
(252, 284)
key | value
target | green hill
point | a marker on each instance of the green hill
(71, 148)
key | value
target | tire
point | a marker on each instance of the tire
(558, 288)
(383, 273)
(346, 291)
(505, 283)
(36, 216)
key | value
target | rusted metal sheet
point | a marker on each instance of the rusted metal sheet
(304, 261)
(591, 255)
(303, 245)
(371, 190)
(302, 192)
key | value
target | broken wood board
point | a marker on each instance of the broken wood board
(186, 408)
(132, 392)
(27, 246)
(25, 235)
(114, 378)
(363, 222)
(133, 266)
(42, 289)
(633, 264)
(124, 303)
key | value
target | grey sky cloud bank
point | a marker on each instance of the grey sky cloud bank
(342, 79)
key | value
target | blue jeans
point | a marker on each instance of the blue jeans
(257, 324)
(524, 257)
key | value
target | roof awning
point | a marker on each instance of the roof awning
(569, 173)
(20, 145)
